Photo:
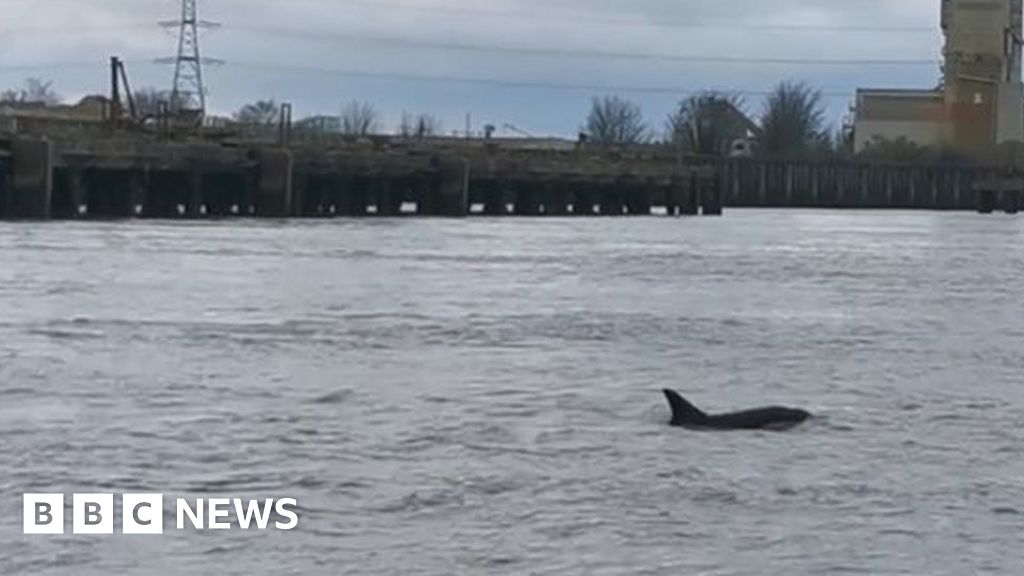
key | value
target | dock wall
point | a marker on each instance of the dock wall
(41, 179)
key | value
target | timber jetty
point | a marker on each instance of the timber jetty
(145, 176)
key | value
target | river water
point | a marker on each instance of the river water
(482, 396)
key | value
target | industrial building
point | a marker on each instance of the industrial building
(980, 102)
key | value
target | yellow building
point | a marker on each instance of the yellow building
(917, 116)
(981, 101)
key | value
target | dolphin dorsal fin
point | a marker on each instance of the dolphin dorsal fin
(683, 412)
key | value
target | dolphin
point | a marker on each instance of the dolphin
(686, 415)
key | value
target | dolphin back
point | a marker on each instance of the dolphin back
(683, 412)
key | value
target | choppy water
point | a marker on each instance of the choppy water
(481, 397)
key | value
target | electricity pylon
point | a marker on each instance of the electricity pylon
(188, 94)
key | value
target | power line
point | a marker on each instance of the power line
(419, 43)
(500, 82)
(136, 26)
(594, 54)
(641, 21)
(66, 30)
(577, 53)
(563, 52)
(646, 22)
(575, 18)
(432, 78)
(81, 64)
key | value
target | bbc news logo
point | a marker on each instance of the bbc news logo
(144, 514)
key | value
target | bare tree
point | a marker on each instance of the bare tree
(707, 123)
(359, 119)
(793, 121)
(259, 113)
(421, 126)
(614, 121)
(35, 91)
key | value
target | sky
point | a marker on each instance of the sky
(524, 66)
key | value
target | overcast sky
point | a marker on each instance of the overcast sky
(518, 62)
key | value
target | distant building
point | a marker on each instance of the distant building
(554, 144)
(319, 124)
(712, 124)
(918, 116)
(90, 112)
(983, 71)
(981, 101)
(741, 132)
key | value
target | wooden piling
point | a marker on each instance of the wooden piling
(32, 188)
(454, 188)
(78, 192)
(274, 187)
(6, 186)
